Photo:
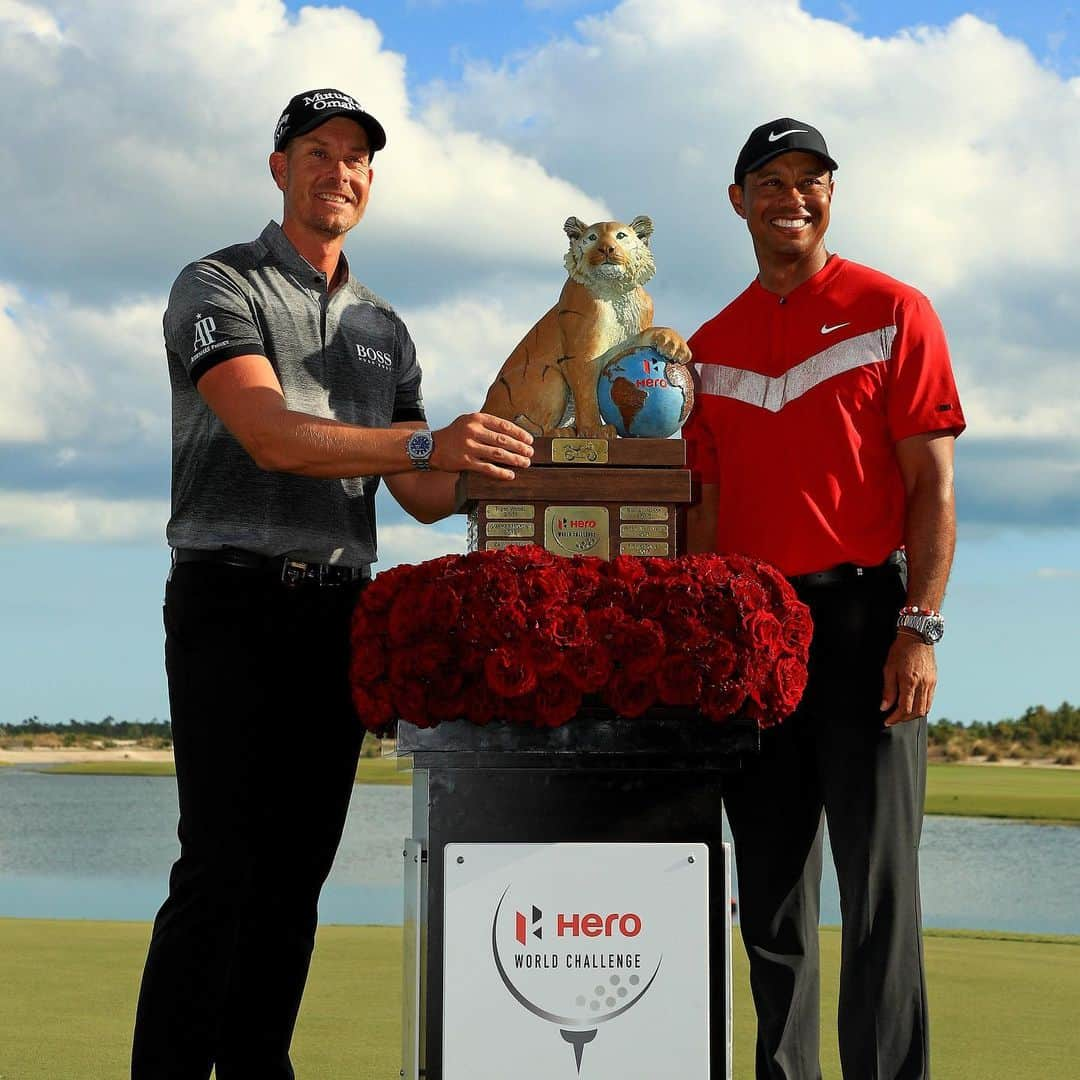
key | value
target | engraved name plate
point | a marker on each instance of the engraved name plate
(498, 545)
(643, 513)
(509, 528)
(643, 548)
(510, 511)
(579, 451)
(644, 532)
(577, 530)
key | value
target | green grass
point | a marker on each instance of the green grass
(1002, 1006)
(1027, 792)
(384, 770)
(109, 768)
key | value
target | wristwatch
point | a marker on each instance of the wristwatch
(928, 625)
(419, 447)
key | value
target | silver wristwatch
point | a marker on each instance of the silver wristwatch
(930, 628)
(419, 447)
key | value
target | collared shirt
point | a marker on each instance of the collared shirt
(345, 356)
(802, 402)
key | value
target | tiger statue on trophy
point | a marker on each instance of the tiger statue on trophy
(548, 383)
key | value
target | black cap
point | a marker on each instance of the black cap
(780, 137)
(308, 110)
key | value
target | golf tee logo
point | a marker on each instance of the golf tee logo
(590, 970)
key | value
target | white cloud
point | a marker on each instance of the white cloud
(417, 543)
(123, 160)
(80, 519)
(952, 169)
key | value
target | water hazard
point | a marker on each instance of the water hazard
(100, 847)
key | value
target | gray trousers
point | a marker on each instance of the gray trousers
(835, 759)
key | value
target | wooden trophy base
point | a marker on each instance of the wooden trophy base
(585, 497)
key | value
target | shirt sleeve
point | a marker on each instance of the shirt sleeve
(209, 319)
(408, 401)
(922, 395)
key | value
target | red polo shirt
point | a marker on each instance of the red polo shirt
(801, 401)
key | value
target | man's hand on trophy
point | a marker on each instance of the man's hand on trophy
(669, 342)
(481, 443)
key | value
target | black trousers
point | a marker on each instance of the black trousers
(266, 746)
(835, 755)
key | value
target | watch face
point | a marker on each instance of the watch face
(933, 631)
(420, 445)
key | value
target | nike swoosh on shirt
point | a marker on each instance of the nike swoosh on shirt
(790, 131)
(827, 329)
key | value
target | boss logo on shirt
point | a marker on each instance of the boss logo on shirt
(368, 354)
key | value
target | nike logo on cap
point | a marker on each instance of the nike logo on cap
(827, 329)
(773, 136)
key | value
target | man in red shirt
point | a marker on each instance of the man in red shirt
(823, 443)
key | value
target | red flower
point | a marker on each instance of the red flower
(545, 655)
(748, 593)
(678, 680)
(788, 682)
(482, 704)
(588, 667)
(519, 635)
(509, 672)
(797, 628)
(428, 658)
(720, 659)
(368, 663)
(557, 701)
(373, 707)
(764, 632)
(722, 701)
(629, 696)
(412, 704)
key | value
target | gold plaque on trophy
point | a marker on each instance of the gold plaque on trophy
(643, 532)
(579, 451)
(509, 528)
(577, 530)
(641, 547)
(643, 513)
(498, 545)
(510, 511)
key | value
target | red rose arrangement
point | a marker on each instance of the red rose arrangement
(524, 637)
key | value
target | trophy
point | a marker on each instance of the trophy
(601, 390)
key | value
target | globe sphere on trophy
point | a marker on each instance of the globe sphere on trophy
(645, 395)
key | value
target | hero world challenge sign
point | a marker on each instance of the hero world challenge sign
(551, 948)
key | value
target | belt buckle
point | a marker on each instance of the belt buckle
(293, 572)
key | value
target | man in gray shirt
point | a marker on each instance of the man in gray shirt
(295, 389)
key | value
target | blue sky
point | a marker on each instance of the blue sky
(125, 160)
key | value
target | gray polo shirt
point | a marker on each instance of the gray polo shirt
(347, 356)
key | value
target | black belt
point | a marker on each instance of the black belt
(284, 568)
(844, 573)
